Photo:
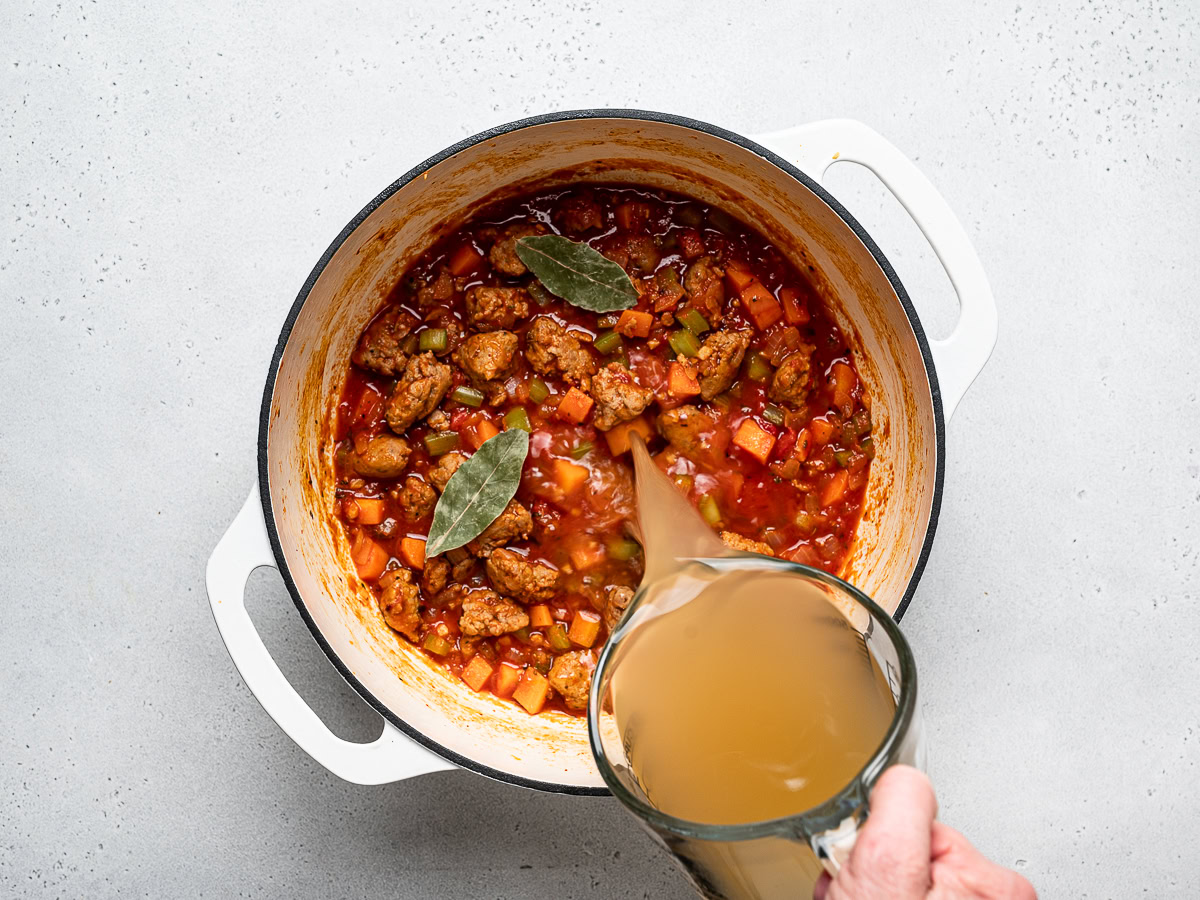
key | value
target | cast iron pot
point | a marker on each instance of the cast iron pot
(433, 722)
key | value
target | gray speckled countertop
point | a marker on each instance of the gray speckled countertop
(170, 172)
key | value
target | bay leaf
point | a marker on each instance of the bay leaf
(576, 272)
(478, 491)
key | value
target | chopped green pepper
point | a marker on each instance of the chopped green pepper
(439, 442)
(518, 418)
(693, 320)
(434, 339)
(467, 396)
(684, 342)
(538, 391)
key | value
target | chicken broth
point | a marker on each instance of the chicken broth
(725, 363)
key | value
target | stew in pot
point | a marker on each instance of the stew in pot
(580, 317)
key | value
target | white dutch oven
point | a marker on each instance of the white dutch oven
(432, 722)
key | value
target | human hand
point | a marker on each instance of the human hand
(903, 853)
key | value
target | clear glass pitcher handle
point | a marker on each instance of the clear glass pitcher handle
(833, 847)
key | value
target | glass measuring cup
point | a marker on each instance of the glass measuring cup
(779, 857)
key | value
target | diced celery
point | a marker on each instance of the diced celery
(683, 482)
(435, 643)
(723, 401)
(684, 342)
(518, 418)
(773, 414)
(868, 447)
(608, 342)
(709, 510)
(693, 320)
(538, 292)
(806, 522)
(410, 343)
(623, 549)
(434, 339)
(467, 395)
(757, 367)
(557, 636)
(608, 321)
(522, 634)
(538, 391)
(842, 457)
(579, 451)
(439, 442)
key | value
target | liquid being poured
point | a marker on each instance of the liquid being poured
(741, 692)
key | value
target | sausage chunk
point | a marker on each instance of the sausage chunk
(720, 355)
(446, 466)
(793, 378)
(616, 600)
(418, 393)
(705, 287)
(684, 428)
(436, 575)
(579, 213)
(737, 542)
(488, 359)
(493, 308)
(503, 255)
(400, 602)
(486, 612)
(552, 350)
(385, 456)
(571, 676)
(514, 576)
(618, 397)
(513, 524)
(379, 347)
(415, 497)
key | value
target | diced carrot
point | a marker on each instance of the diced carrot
(586, 554)
(822, 430)
(835, 487)
(691, 245)
(533, 691)
(370, 510)
(574, 406)
(682, 381)
(569, 476)
(618, 436)
(756, 441)
(634, 323)
(761, 305)
(803, 442)
(483, 430)
(465, 260)
(843, 380)
(370, 559)
(795, 309)
(540, 617)
(739, 276)
(477, 672)
(585, 628)
(508, 676)
(632, 215)
(412, 551)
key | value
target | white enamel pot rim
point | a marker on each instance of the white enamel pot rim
(254, 539)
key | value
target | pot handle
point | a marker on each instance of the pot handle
(817, 146)
(243, 548)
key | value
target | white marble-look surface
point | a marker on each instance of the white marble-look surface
(169, 173)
